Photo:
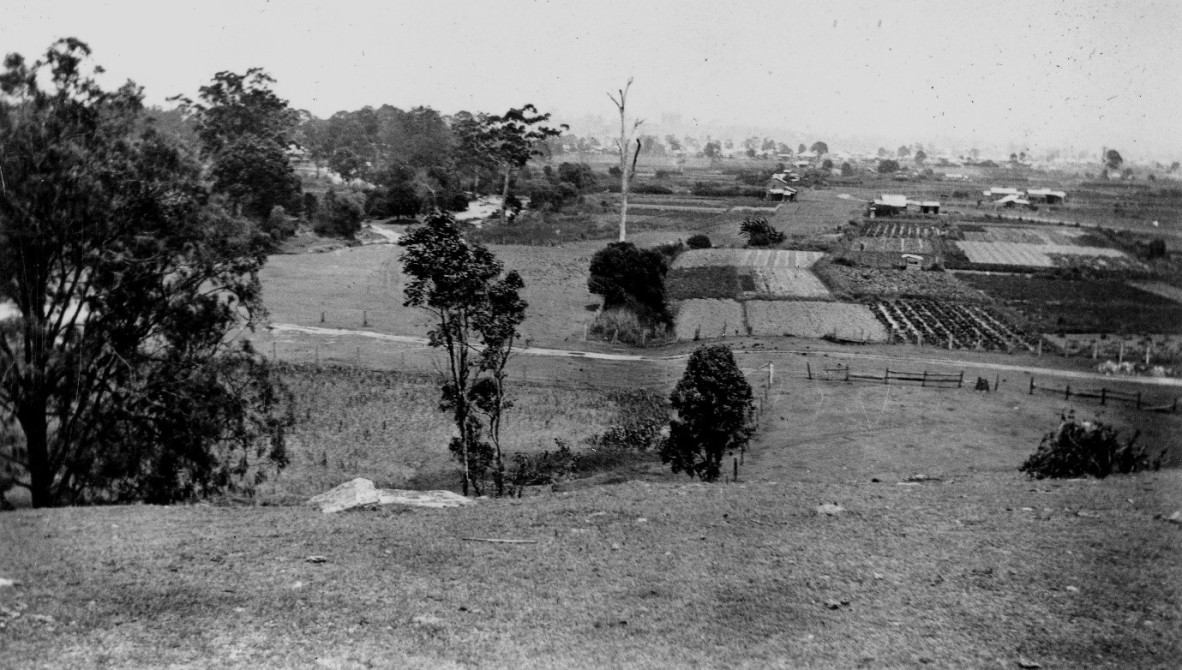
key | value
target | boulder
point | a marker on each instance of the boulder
(361, 491)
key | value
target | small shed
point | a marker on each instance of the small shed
(929, 207)
(913, 261)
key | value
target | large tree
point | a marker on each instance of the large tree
(245, 131)
(715, 413)
(507, 141)
(119, 380)
(476, 312)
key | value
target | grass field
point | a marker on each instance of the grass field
(972, 565)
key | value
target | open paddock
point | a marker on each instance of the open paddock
(1027, 254)
(708, 319)
(755, 258)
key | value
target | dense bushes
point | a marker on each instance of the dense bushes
(634, 279)
(698, 242)
(340, 214)
(717, 191)
(1081, 448)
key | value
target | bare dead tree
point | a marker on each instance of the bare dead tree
(626, 172)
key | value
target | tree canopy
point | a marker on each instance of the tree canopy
(715, 412)
(119, 377)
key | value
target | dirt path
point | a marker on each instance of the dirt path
(780, 353)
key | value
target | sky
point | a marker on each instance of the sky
(1030, 74)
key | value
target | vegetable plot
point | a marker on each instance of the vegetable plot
(949, 325)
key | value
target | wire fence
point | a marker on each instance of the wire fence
(1106, 395)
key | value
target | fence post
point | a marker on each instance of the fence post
(1067, 392)
(924, 382)
(364, 318)
(771, 374)
(1138, 401)
(996, 382)
(847, 372)
(886, 376)
(1103, 395)
(1032, 386)
(736, 477)
(321, 317)
(960, 382)
(808, 368)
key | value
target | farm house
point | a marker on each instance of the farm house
(1045, 195)
(888, 205)
(777, 188)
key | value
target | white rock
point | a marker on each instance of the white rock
(361, 491)
(5, 582)
(830, 509)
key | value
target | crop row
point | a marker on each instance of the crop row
(900, 229)
(951, 325)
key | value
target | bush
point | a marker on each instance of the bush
(1081, 448)
(760, 233)
(715, 412)
(698, 242)
(621, 324)
(547, 467)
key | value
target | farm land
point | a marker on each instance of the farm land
(943, 555)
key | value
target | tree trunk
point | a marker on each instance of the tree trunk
(32, 418)
(623, 174)
(505, 198)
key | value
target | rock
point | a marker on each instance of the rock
(1073, 589)
(8, 583)
(41, 618)
(1176, 517)
(833, 604)
(361, 491)
(316, 559)
(1023, 662)
(426, 620)
(830, 509)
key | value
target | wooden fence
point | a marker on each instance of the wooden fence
(845, 373)
(1106, 395)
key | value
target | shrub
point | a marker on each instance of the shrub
(698, 242)
(623, 325)
(1080, 448)
(760, 233)
(715, 412)
(547, 467)
(641, 416)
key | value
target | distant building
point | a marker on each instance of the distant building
(1045, 195)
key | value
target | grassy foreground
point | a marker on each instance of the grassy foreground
(973, 566)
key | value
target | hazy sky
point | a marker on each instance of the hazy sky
(1025, 74)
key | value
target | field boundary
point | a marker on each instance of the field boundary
(845, 373)
(1105, 394)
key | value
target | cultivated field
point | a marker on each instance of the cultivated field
(903, 245)
(1048, 236)
(867, 282)
(706, 319)
(814, 319)
(788, 282)
(1028, 255)
(759, 258)
(1167, 291)
(954, 326)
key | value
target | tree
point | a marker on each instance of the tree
(119, 368)
(888, 166)
(622, 146)
(507, 142)
(674, 144)
(1174, 166)
(712, 150)
(883, 153)
(715, 414)
(827, 164)
(760, 233)
(847, 170)
(630, 277)
(477, 313)
(1113, 160)
(904, 151)
(245, 130)
(820, 148)
(801, 149)
(920, 157)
